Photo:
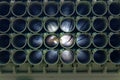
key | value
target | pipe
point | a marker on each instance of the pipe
(4, 41)
(4, 57)
(35, 9)
(67, 8)
(35, 57)
(67, 24)
(51, 57)
(4, 25)
(83, 8)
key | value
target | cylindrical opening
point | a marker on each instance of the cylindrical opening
(99, 40)
(51, 9)
(19, 25)
(35, 41)
(19, 41)
(115, 40)
(19, 9)
(83, 40)
(67, 41)
(51, 57)
(35, 25)
(99, 24)
(83, 56)
(4, 41)
(51, 41)
(67, 57)
(35, 57)
(99, 8)
(114, 8)
(83, 8)
(115, 56)
(4, 8)
(67, 25)
(67, 8)
(51, 25)
(115, 24)
(19, 57)
(35, 9)
(100, 56)
(83, 24)
(4, 25)
(4, 57)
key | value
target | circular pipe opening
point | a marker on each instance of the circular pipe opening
(51, 57)
(35, 57)
(4, 9)
(67, 8)
(19, 9)
(115, 56)
(35, 25)
(83, 25)
(83, 40)
(19, 25)
(83, 8)
(115, 40)
(19, 57)
(99, 8)
(99, 24)
(51, 25)
(51, 9)
(115, 24)
(67, 56)
(35, 41)
(4, 25)
(67, 41)
(100, 56)
(35, 9)
(83, 56)
(67, 25)
(51, 41)
(114, 8)
(99, 40)
(4, 41)
(19, 41)
(4, 57)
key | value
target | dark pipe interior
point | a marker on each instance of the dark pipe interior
(19, 41)
(83, 8)
(99, 40)
(19, 57)
(99, 24)
(19, 25)
(67, 9)
(4, 25)
(115, 56)
(35, 25)
(83, 56)
(4, 9)
(19, 9)
(115, 40)
(35, 57)
(83, 40)
(99, 56)
(36, 41)
(83, 24)
(51, 56)
(4, 41)
(4, 57)
(115, 24)
(99, 8)
(51, 9)
(35, 9)
(114, 8)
